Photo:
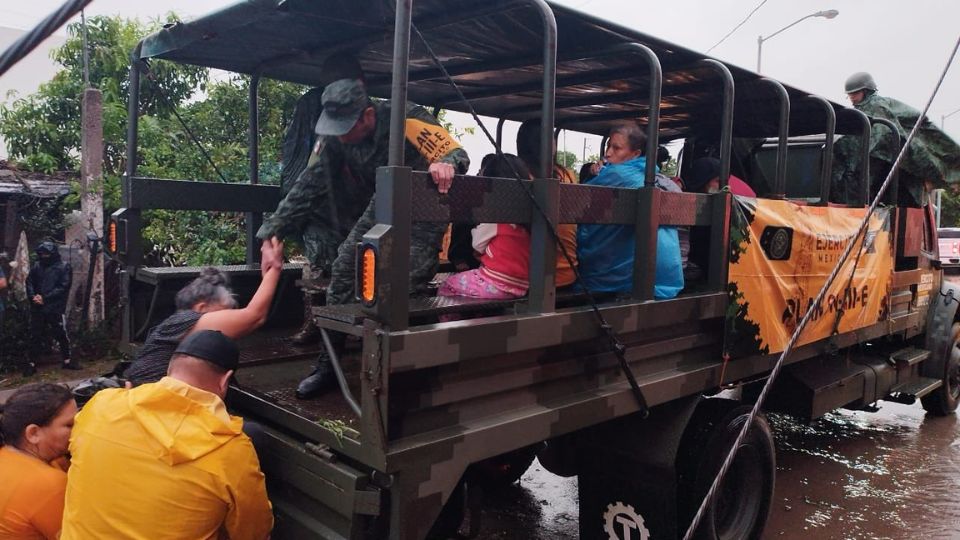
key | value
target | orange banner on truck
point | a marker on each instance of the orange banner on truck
(781, 254)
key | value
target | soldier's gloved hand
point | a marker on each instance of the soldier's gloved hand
(442, 174)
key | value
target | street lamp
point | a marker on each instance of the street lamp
(829, 14)
(943, 118)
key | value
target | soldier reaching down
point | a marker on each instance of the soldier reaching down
(355, 133)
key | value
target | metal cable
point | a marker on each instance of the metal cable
(806, 317)
(42, 31)
(616, 345)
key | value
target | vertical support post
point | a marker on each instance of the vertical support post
(134, 247)
(653, 118)
(603, 146)
(543, 254)
(542, 295)
(253, 219)
(500, 132)
(780, 180)
(720, 209)
(392, 197)
(826, 164)
(726, 119)
(645, 254)
(893, 192)
(91, 200)
(864, 155)
(720, 203)
(398, 89)
(393, 201)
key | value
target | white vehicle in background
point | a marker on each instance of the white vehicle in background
(950, 249)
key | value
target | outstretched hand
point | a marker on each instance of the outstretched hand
(271, 254)
(442, 174)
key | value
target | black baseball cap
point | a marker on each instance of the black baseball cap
(343, 102)
(212, 346)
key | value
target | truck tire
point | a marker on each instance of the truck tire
(944, 400)
(741, 507)
(501, 471)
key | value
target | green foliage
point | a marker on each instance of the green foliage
(950, 208)
(43, 133)
(670, 168)
(567, 159)
(457, 132)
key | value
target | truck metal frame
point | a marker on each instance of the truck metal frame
(435, 398)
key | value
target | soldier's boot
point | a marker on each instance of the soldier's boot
(322, 378)
(309, 333)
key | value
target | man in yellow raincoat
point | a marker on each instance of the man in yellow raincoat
(165, 460)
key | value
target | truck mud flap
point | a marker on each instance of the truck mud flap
(314, 495)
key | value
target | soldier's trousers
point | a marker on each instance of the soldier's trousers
(425, 240)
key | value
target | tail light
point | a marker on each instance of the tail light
(367, 274)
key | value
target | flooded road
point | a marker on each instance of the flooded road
(894, 474)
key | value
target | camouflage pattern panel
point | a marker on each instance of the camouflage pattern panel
(471, 199)
(685, 209)
(581, 203)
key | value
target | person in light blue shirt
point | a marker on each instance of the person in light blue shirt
(606, 252)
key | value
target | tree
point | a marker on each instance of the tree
(567, 159)
(43, 133)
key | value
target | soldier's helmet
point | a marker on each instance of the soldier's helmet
(860, 81)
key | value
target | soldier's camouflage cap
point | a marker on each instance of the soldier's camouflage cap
(343, 101)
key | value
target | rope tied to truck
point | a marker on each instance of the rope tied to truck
(617, 346)
(728, 461)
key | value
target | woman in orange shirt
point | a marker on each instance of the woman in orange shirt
(35, 425)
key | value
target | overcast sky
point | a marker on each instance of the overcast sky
(903, 44)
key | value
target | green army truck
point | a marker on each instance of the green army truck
(430, 412)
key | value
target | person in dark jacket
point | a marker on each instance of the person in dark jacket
(47, 287)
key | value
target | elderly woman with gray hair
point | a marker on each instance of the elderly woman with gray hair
(207, 303)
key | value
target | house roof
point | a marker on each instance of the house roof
(14, 181)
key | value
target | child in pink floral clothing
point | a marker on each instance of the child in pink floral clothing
(503, 250)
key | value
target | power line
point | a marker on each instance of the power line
(737, 27)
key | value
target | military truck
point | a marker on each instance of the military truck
(400, 452)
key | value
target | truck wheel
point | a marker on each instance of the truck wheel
(944, 400)
(741, 507)
(503, 470)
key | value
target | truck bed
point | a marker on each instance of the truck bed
(275, 381)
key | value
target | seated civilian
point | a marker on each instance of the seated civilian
(34, 433)
(589, 170)
(606, 252)
(503, 248)
(166, 459)
(704, 177)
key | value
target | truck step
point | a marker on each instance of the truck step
(917, 388)
(910, 356)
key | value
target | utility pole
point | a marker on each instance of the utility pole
(91, 199)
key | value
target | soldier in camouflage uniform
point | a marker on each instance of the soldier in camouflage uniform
(932, 161)
(355, 134)
(319, 237)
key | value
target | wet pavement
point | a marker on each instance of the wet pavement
(894, 474)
